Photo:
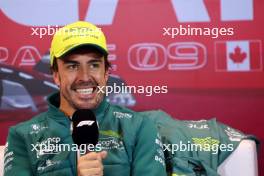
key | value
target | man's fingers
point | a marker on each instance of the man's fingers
(89, 156)
(92, 171)
(89, 164)
(94, 156)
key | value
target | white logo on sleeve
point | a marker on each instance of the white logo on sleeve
(85, 122)
(234, 135)
(121, 115)
(36, 128)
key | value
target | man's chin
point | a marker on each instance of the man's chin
(91, 104)
(87, 106)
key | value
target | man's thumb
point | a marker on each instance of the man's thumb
(103, 154)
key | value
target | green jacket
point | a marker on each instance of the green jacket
(195, 148)
(132, 143)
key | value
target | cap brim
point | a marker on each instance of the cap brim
(89, 45)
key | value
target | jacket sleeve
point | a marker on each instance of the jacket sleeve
(16, 161)
(148, 156)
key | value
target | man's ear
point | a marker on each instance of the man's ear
(56, 78)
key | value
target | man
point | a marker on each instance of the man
(130, 143)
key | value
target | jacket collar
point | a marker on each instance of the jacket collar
(56, 113)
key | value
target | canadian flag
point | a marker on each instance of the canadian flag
(235, 56)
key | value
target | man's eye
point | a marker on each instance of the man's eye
(72, 67)
(95, 65)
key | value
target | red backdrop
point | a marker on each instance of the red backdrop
(207, 76)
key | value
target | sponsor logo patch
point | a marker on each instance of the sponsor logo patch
(111, 143)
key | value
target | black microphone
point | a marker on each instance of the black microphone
(85, 128)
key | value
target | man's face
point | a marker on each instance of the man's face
(78, 76)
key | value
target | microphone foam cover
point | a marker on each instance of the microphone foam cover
(85, 129)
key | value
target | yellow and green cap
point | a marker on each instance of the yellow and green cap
(75, 35)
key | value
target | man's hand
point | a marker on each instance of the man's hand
(91, 164)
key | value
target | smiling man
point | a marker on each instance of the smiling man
(130, 144)
(79, 76)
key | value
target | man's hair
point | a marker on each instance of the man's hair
(81, 50)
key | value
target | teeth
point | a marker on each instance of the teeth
(85, 91)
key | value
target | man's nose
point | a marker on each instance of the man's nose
(84, 74)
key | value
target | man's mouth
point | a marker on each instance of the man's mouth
(86, 91)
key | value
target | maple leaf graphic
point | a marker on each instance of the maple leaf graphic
(237, 56)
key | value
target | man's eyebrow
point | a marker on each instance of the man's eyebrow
(95, 60)
(70, 62)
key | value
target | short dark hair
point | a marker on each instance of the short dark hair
(82, 49)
